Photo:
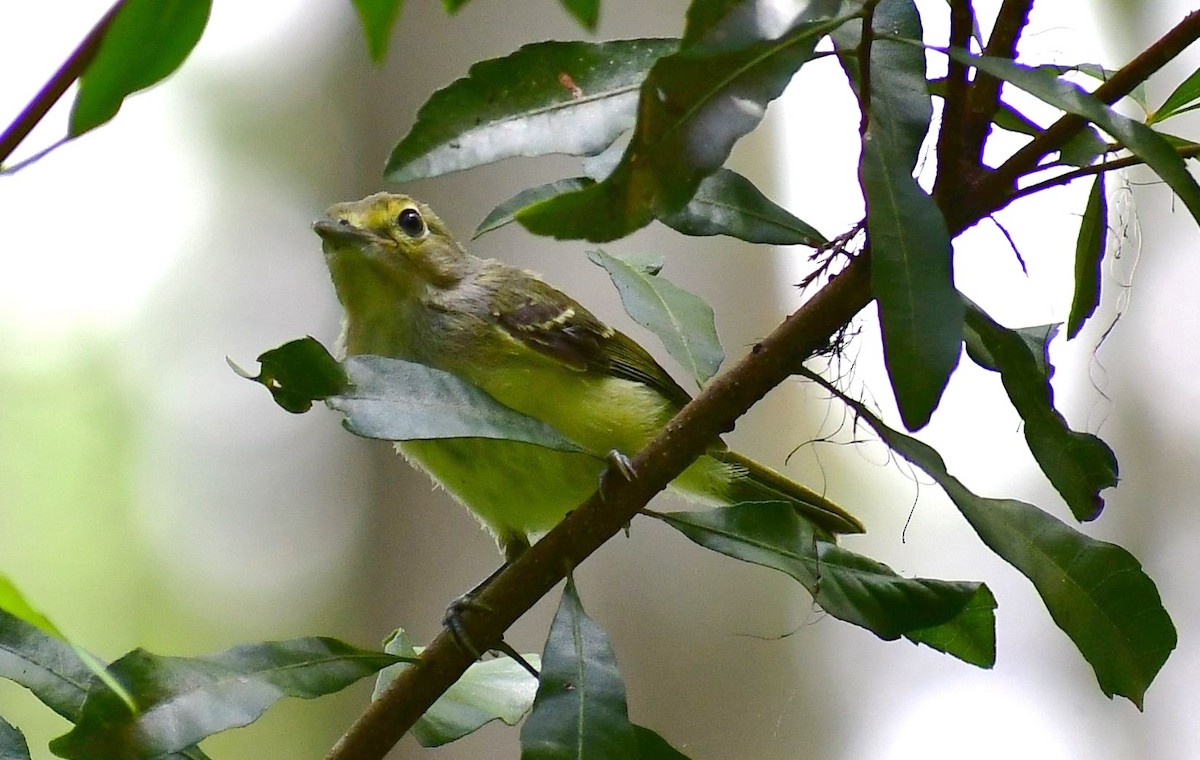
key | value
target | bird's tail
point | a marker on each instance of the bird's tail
(756, 482)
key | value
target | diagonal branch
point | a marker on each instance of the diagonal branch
(585, 529)
(71, 70)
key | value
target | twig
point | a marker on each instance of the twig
(585, 529)
(1186, 151)
(864, 66)
(994, 191)
(71, 70)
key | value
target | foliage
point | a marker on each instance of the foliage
(654, 122)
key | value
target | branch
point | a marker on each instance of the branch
(984, 99)
(585, 529)
(864, 66)
(71, 70)
(950, 151)
(1186, 151)
(996, 190)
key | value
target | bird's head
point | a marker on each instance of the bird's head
(390, 237)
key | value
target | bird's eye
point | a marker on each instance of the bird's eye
(410, 222)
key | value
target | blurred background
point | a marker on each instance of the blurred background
(150, 497)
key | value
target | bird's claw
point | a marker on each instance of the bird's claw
(617, 463)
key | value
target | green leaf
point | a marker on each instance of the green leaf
(12, 742)
(1096, 592)
(682, 321)
(548, 97)
(146, 42)
(651, 746)
(43, 663)
(1185, 97)
(491, 690)
(1079, 465)
(693, 107)
(580, 710)
(1144, 142)
(378, 17)
(396, 400)
(586, 12)
(181, 701)
(970, 636)
(726, 203)
(1090, 247)
(848, 586)
(912, 273)
(452, 6)
(298, 373)
(505, 213)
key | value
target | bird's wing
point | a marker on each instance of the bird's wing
(554, 324)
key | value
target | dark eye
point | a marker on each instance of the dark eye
(411, 223)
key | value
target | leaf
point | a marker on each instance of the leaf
(43, 663)
(912, 273)
(378, 17)
(693, 107)
(651, 746)
(298, 373)
(1079, 465)
(1143, 141)
(184, 700)
(548, 97)
(12, 742)
(580, 710)
(1096, 592)
(726, 203)
(146, 42)
(490, 690)
(848, 586)
(396, 400)
(505, 213)
(1183, 98)
(970, 636)
(1090, 248)
(586, 12)
(682, 321)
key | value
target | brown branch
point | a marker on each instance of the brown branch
(995, 190)
(864, 66)
(1186, 151)
(71, 70)
(585, 529)
(951, 154)
(984, 99)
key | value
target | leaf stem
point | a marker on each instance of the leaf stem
(71, 69)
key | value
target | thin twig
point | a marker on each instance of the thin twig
(1186, 151)
(50, 93)
(864, 66)
(995, 190)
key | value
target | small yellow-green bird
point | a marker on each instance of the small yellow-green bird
(411, 292)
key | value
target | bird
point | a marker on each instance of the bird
(410, 291)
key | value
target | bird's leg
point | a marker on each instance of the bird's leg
(621, 465)
(513, 547)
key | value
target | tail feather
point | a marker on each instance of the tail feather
(761, 483)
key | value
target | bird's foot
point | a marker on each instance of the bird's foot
(618, 464)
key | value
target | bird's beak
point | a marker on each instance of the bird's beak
(335, 230)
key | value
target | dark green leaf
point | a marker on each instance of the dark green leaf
(490, 690)
(848, 586)
(1079, 465)
(505, 213)
(970, 636)
(1096, 592)
(726, 203)
(549, 97)
(298, 373)
(147, 40)
(1084, 148)
(651, 746)
(586, 12)
(12, 742)
(1143, 141)
(1183, 98)
(181, 701)
(452, 6)
(43, 663)
(682, 321)
(396, 400)
(1090, 247)
(580, 711)
(693, 107)
(912, 273)
(378, 17)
